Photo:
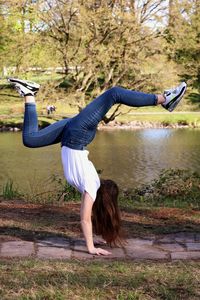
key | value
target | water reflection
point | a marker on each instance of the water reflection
(154, 134)
(129, 157)
(135, 157)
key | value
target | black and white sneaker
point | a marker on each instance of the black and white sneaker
(25, 87)
(174, 96)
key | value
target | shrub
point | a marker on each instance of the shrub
(174, 187)
(65, 192)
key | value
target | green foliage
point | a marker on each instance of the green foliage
(21, 45)
(174, 187)
(65, 192)
(183, 39)
(10, 191)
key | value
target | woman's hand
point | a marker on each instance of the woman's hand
(99, 251)
(86, 223)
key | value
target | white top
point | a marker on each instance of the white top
(79, 171)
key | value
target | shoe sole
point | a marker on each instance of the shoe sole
(25, 83)
(177, 99)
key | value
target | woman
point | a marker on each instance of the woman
(99, 200)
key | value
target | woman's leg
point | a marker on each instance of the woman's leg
(94, 112)
(34, 138)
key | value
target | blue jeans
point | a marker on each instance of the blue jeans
(79, 131)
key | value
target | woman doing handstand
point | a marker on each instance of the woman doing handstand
(99, 209)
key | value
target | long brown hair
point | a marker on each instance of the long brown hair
(105, 213)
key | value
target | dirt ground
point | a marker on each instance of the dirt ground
(19, 220)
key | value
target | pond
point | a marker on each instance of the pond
(130, 157)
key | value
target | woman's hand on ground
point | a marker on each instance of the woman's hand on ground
(99, 251)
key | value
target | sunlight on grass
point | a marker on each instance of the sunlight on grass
(11, 107)
(33, 279)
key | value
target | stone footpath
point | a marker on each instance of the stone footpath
(169, 247)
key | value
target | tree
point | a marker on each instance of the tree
(105, 42)
(99, 44)
(183, 37)
(22, 45)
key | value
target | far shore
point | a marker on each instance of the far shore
(115, 125)
(142, 125)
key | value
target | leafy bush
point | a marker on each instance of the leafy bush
(65, 192)
(174, 187)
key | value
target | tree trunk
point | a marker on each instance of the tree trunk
(171, 14)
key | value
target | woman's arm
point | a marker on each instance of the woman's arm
(86, 224)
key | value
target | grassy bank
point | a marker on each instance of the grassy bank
(11, 109)
(139, 120)
(179, 119)
(136, 121)
(62, 280)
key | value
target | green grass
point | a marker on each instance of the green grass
(57, 280)
(11, 107)
(9, 191)
(165, 119)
